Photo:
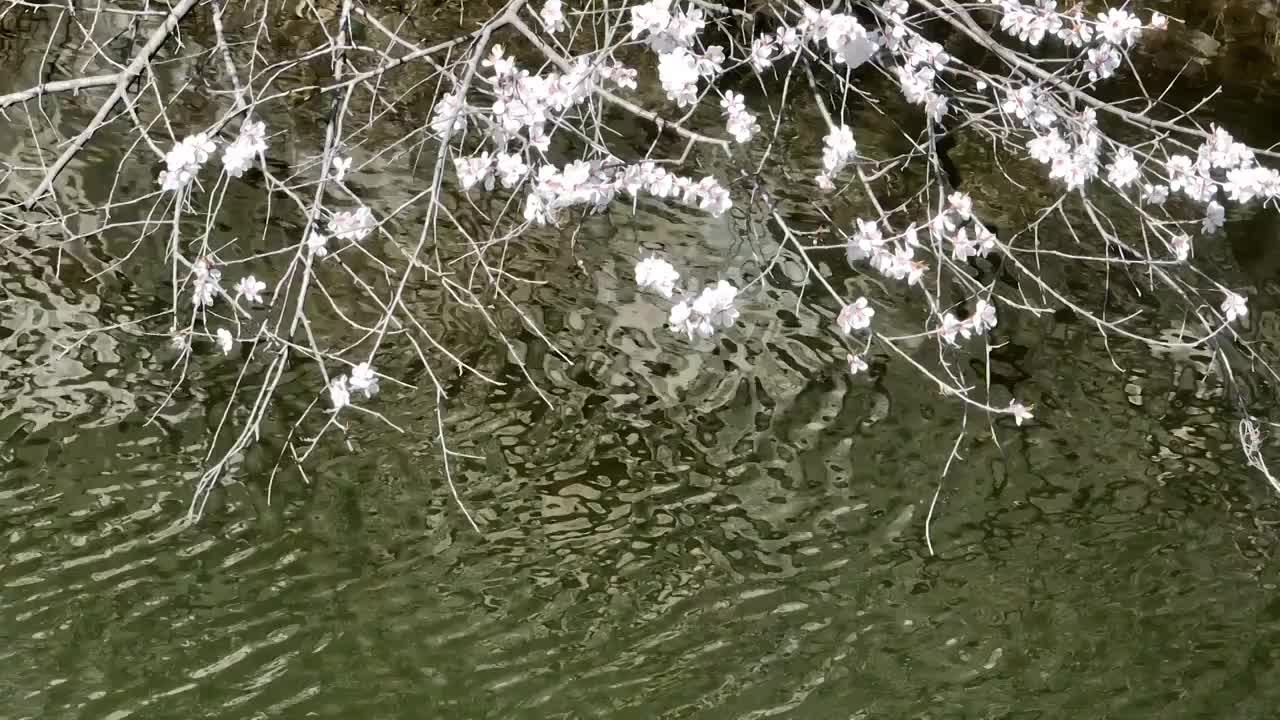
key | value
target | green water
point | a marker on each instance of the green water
(737, 532)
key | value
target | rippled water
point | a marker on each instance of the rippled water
(727, 533)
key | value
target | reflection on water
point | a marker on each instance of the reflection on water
(731, 532)
(736, 532)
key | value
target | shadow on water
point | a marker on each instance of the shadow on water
(735, 531)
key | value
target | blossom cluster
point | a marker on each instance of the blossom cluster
(1107, 37)
(362, 379)
(206, 283)
(956, 224)
(695, 316)
(741, 124)
(350, 225)
(838, 150)
(713, 309)
(523, 103)
(184, 160)
(238, 156)
(893, 258)
(594, 184)
(980, 321)
(849, 42)
(664, 29)
(187, 156)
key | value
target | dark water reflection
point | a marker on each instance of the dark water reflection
(727, 533)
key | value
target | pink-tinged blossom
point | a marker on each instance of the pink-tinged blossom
(713, 309)
(857, 363)
(1102, 62)
(353, 225)
(205, 283)
(951, 327)
(865, 241)
(450, 114)
(1021, 413)
(763, 50)
(1119, 27)
(984, 316)
(855, 316)
(552, 16)
(474, 171)
(1030, 25)
(741, 124)
(250, 288)
(1155, 194)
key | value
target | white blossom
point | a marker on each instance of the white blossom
(341, 165)
(850, 42)
(224, 340)
(1181, 246)
(1234, 306)
(339, 394)
(1214, 218)
(838, 150)
(678, 72)
(1123, 170)
(240, 154)
(742, 124)
(653, 273)
(857, 363)
(962, 246)
(1155, 194)
(363, 379)
(184, 161)
(1180, 168)
(865, 242)
(620, 75)
(317, 243)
